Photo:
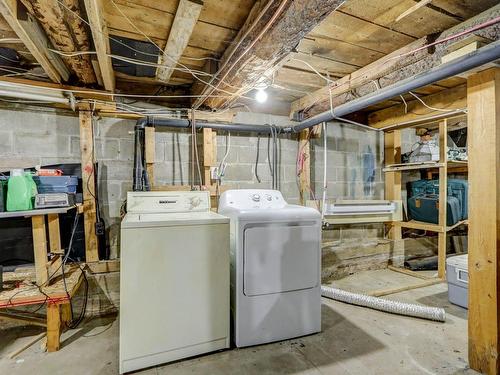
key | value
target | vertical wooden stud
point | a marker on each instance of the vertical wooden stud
(53, 327)
(392, 155)
(305, 175)
(149, 152)
(40, 249)
(65, 314)
(54, 235)
(443, 197)
(89, 203)
(209, 154)
(483, 118)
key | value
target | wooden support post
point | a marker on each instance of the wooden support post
(53, 327)
(483, 102)
(209, 154)
(392, 155)
(54, 235)
(443, 198)
(149, 152)
(89, 203)
(40, 249)
(55, 245)
(65, 314)
(305, 175)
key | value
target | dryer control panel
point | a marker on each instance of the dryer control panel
(252, 199)
(168, 201)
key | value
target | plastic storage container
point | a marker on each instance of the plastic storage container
(56, 184)
(21, 191)
(457, 275)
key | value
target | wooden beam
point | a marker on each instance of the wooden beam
(483, 97)
(89, 203)
(183, 25)
(53, 327)
(443, 199)
(392, 68)
(454, 98)
(67, 33)
(392, 155)
(412, 9)
(101, 41)
(273, 36)
(40, 249)
(35, 40)
(209, 154)
(305, 175)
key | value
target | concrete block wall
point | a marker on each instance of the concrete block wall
(33, 137)
(354, 163)
(354, 171)
(30, 137)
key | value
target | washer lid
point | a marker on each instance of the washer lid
(145, 220)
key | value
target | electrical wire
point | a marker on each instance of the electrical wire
(221, 170)
(430, 107)
(325, 169)
(131, 48)
(233, 51)
(163, 54)
(314, 69)
(255, 171)
(349, 83)
(79, 53)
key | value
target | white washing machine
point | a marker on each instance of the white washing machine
(174, 278)
(275, 266)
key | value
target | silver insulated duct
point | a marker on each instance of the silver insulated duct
(381, 304)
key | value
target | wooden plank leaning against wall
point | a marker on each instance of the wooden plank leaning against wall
(483, 102)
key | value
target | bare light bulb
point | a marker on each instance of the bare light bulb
(261, 95)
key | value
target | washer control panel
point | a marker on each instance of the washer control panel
(168, 201)
(252, 199)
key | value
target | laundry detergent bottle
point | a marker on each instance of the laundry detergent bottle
(20, 191)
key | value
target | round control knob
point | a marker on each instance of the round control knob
(256, 197)
(269, 198)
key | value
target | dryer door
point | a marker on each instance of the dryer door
(280, 258)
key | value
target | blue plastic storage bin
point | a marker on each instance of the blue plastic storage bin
(56, 184)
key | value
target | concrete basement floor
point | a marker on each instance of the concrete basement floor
(354, 340)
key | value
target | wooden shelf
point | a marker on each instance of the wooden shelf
(420, 225)
(43, 211)
(410, 167)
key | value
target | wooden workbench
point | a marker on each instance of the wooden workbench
(43, 267)
(19, 290)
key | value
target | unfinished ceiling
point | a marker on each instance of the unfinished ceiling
(294, 48)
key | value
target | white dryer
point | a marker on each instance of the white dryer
(275, 266)
(174, 278)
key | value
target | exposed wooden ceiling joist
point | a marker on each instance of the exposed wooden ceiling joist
(183, 25)
(394, 67)
(35, 40)
(272, 38)
(101, 42)
(67, 32)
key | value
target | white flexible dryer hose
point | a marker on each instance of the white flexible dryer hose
(394, 307)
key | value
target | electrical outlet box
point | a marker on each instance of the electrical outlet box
(214, 173)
